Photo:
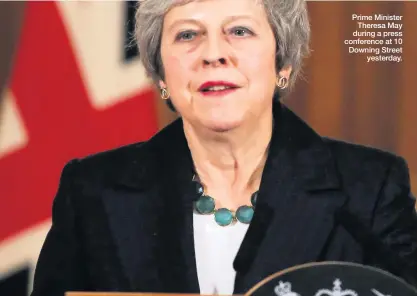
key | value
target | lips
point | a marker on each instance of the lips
(216, 86)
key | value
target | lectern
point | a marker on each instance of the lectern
(316, 279)
(124, 294)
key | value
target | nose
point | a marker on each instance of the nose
(215, 62)
(215, 52)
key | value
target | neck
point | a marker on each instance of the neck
(230, 164)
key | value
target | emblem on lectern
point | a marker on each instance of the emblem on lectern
(337, 290)
(332, 279)
(284, 289)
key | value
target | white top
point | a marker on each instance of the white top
(216, 248)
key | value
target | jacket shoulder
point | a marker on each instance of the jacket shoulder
(361, 156)
(364, 171)
(135, 165)
(122, 153)
(118, 165)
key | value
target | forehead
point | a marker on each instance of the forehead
(173, 3)
(181, 2)
(200, 9)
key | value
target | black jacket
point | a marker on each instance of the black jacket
(122, 219)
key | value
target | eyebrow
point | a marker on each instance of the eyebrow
(196, 22)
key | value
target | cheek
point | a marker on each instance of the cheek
(176, 70)
(177, 77)
(259, 65)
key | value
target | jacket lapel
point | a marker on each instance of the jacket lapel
(156, 245)
(296, 202)
(176, 255)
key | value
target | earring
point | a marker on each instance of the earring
(164, 94)
(282, 82)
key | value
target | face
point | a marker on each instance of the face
(223, 43)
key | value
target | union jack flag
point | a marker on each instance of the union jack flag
(76, 89)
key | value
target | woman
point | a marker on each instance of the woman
(140, 217)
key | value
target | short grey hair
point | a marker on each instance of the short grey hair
(288, 19)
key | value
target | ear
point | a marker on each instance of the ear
(285, 72)
(162, 84)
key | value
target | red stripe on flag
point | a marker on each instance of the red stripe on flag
(60, 122)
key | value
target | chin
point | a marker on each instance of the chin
(221, 119)
(223, 125)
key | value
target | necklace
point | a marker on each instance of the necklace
(206, 205)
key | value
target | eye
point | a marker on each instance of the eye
(185, 36)
(241, 31)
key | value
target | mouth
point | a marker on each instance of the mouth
(218, 91)
(217, 88)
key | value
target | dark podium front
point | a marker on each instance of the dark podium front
(316, 279)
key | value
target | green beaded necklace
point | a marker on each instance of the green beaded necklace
(206, 205)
